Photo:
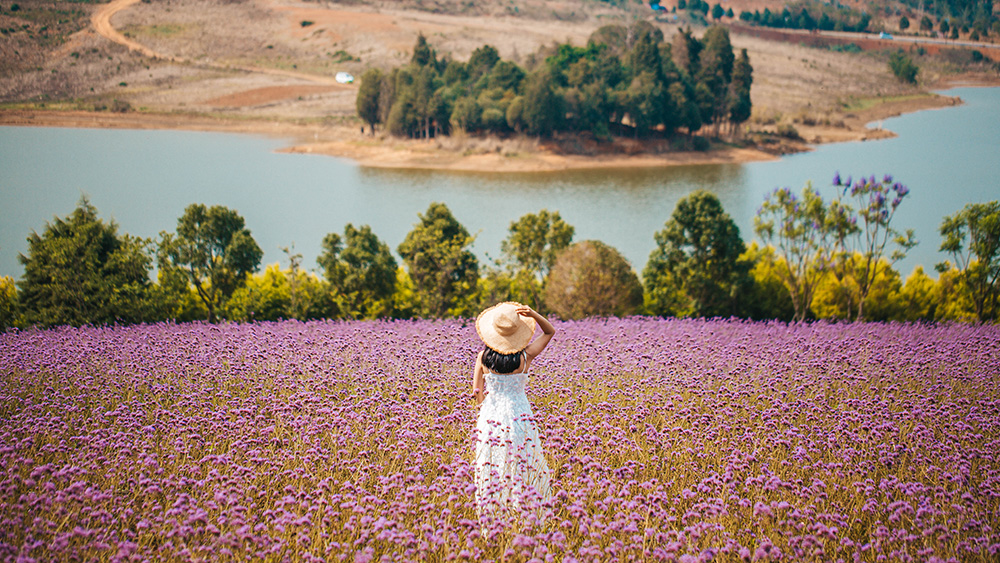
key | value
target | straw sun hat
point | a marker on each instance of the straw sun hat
(503, 330)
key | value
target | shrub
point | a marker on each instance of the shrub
(788, 131)
(590, 279)
(903, 68)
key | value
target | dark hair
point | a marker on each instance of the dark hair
(500, 363)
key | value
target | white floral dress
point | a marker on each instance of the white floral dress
(511, 471)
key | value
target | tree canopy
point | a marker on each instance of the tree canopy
(361, 272)
(972, 238)
(80, 271)
(589, 279)
(213, 250)
(444, 271)
(700, 250)
(625, 80)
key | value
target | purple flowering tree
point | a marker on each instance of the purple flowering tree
(877, 202)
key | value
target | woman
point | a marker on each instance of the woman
(511, 470)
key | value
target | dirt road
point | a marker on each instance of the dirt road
(101, 20)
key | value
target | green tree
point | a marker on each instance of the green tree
(904, 23)
(467, 115)
(740, 106)
(368, 98)
(80, 271)
(592, 279)
(686, 50)
(717, 12)
(8, 303)
(532, 247)
(443, 270)
(701, 249)
(716, 62)
(902, 67)
(481, 62)
(361, 272)
(972, 238)
(877, 203)
(214, 250)
(542, 109)
(423, 55)
(793, 226)
(535, 241)
(505, 75)
(926, 24)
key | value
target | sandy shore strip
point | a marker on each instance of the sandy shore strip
(348, 142)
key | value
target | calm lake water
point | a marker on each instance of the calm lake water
(144, 179)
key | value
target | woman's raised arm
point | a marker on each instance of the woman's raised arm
(539, 344)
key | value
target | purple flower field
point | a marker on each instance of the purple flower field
(669, 440)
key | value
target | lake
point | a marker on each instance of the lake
(144, 179)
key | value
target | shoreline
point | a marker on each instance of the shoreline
(493, 155)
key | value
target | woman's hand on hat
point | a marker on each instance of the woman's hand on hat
(525, 311)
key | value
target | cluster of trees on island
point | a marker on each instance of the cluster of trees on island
(626, 80)
(816, 259)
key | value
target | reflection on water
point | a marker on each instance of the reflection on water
(622, 207)
(144, 179)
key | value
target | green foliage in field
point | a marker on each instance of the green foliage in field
(819, 260)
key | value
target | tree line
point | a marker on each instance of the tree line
(626, 80)
(831, 18)
(816, 259)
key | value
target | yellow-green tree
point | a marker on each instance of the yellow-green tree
(8, 303)
(835, 297)
(877, 238)
(917, 297)
(972, 238)
(768, 297)
(281, 294)
(793, 226)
